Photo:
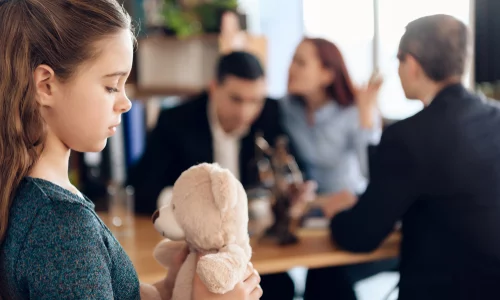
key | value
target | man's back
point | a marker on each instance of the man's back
(452, 231)
(438, 171)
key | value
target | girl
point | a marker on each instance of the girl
(63, 66)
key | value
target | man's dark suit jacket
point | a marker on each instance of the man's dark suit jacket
(438, 172)
(182, 138)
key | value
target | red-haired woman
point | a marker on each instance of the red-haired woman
(331, 123)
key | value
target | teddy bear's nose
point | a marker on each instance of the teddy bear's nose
(156, 214)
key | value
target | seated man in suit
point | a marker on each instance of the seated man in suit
(218, 126)
(438, 172)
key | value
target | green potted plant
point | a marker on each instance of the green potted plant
(200, 18)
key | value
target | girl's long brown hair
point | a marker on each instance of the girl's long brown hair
(60, 34)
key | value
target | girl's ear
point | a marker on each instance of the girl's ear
(45, 83)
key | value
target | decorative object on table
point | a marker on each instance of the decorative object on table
(260, 214)
(279, 173)
(209, 212)
(260, 195)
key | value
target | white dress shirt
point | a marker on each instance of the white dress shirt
(226, 150)
(226, 146)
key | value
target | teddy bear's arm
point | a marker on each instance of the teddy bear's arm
(222, 271)
(167, 250)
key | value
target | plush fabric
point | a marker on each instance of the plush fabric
(209, 211)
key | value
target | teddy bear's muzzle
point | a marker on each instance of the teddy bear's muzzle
(164, 221)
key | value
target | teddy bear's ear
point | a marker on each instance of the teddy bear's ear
(224, 188)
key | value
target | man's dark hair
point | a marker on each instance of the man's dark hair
(440, 43)
(239, 64)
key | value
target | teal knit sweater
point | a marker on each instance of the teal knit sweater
(57, 248)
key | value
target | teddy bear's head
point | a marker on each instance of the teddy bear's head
(208, 209)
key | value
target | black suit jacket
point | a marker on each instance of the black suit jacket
(182, 138)
(438, 172)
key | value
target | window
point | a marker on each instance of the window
(393, 16)
(349, 27)
(350, 24)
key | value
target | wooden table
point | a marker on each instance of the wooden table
(314, 250)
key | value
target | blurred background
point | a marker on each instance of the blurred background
(177, 52)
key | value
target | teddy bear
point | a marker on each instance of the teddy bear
(209, 212)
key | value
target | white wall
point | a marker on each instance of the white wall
(349, 24)
(281, 21)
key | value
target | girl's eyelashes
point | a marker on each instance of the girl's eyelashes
(112, 90)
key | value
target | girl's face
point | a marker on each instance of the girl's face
(85, 110)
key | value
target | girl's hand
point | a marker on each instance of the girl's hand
(176, 265)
